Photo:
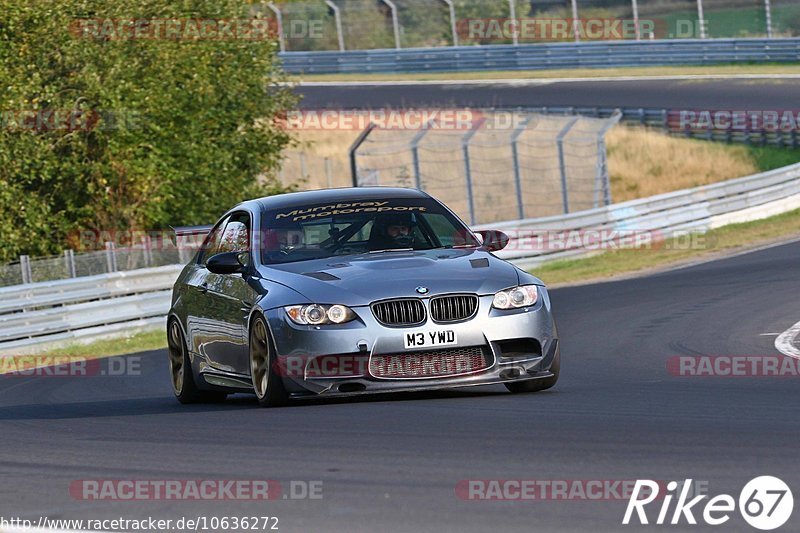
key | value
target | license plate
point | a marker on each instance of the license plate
(430, 339)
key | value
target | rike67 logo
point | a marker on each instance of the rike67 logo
(765, 503)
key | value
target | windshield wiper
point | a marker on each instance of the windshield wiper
(392, 250)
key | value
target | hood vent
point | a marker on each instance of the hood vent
(322, 276)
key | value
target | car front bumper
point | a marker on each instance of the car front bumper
(330, 361)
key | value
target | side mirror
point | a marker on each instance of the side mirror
(229, 263)
(493, 240)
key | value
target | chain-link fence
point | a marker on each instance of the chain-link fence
(113, 258)
(315, 25)
(529, 165)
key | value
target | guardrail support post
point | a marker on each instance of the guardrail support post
(468, 169)
(279, 18)
(69, 263)
(337, 16)
(25, 268)
(111, 257)
(768, 16)
(701, 19)
(515, 159)
(562, 165)
(395, 23)
(453, 26)
(354, 152)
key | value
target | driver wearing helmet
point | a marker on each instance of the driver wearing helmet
(393, 231)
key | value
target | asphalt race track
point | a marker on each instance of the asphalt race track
(392, 463)
(715, 94)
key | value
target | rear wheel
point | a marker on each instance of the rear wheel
(536, 385)
(267, 383)
(180, 370)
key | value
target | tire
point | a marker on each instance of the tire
(536, 385)
(267, 384)
(180, 370)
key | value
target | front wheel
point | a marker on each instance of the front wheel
(180, 370)
(536, 385)
(267, 383)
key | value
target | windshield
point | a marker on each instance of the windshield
(359, 227)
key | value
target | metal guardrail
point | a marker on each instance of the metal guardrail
(545, 56)
(661, 216)
(669, 120)
(84, 308)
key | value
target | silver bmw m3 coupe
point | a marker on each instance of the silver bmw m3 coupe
(354, 291)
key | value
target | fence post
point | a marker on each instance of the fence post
(354, 152)
(395, 23)
(183, 256)
(111, 257)
(515, 158)
(768, 15)
(303, 166)
(453, 27)
(25, 268)
(576, 23)
(337, 16)
(602, 179)
(69, 263)
(512, 7)
(329, 172)
(415, 153)
(468, 169)
(638, 30)
(701, 19)
(562, 165)
(148, 251)
(279, 18)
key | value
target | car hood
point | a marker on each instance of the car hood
(361, 279)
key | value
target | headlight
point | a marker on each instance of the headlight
(317, 315)
(524, 296)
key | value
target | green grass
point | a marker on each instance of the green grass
(729, 239)
(772, 157)
(138, 342)
(763, 69)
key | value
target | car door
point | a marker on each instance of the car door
(200, 327)
(228, 300)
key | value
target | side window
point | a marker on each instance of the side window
(211, 244)
(236, 237)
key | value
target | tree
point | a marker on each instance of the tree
(100, 131)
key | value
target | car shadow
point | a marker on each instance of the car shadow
(168, 405)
